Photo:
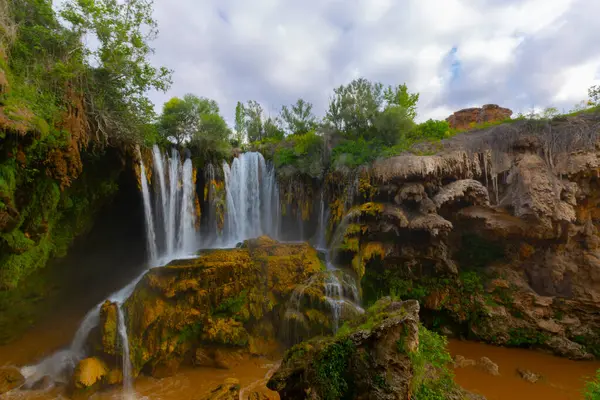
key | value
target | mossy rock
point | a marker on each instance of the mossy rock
(217, 298)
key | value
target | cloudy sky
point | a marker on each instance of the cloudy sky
(455, 53)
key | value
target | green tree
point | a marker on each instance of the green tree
(272, 129)
(400, 96)
(354, 108)
(393, 123)
(123, 73)
(210, 143)
(240, 123)
(594, 95)
(298, 118)
(253, 113)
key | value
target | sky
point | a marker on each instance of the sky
(456, 53)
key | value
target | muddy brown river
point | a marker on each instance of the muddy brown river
(561, 378)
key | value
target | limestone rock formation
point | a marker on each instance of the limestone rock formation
(468, 117)
(497, 234)
(217, 308)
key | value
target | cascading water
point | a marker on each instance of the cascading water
(150, 233)
(176, 215)
(251, 192)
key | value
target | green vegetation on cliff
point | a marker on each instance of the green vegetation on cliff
(64, 107)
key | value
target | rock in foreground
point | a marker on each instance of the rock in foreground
(385, 354)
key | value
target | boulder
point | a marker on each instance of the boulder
(487, 365)
(10, 378)
(221, 303)
(228, 390)
(89, 372)
(528, 376)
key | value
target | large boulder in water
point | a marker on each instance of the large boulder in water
(88, 377)
(230, 298)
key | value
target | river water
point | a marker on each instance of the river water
(562, 379)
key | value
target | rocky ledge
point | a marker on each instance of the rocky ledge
(496, 234)
(384, 354)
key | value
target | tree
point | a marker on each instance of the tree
(299, 119)
(354, 107)
(210, 143)
(240, 123)
(182, 118)
(393, 123)
(399, 96)
(122, 72)
(177, 121)
(272, 129)
(594, 95)
(253, 121)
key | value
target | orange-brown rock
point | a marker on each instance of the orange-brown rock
(469, 117)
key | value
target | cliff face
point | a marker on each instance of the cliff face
(469, 117)
(496, 234)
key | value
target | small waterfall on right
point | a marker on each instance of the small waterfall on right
(338, 290)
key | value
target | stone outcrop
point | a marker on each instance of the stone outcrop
(496, 234)
(379, 356)
(469, 117)
(217, 308)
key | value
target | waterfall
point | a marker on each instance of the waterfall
(127, 378)
(321, 241)
(150, 233)
(187, 232)
(251, 192)
(173, 216)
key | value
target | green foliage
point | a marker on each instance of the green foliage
(240, 125)
(118, 87)
(591, 342)
(231, 305)
(331, 367)
(524, 337)
(431, 129)
(592, 388)
(431, 353)
(300, 154)
(190, 333)
(298, 118)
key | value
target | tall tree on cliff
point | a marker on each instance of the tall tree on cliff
(363, 109)
(240, 124)
(298, 118)
(116, 87)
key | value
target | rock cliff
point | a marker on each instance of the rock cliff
(469, 117)
(496, 234)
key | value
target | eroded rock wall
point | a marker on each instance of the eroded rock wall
(496, 234)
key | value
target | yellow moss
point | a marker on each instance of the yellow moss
(89, 372)
(371, 208)
(317, 317)
(365, 187)
(358, 265)
(350, 244)
(373, 249)
(225, 331)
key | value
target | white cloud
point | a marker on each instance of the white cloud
(514, 53)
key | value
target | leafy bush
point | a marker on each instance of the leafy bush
(592, 388)
(331, 368)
